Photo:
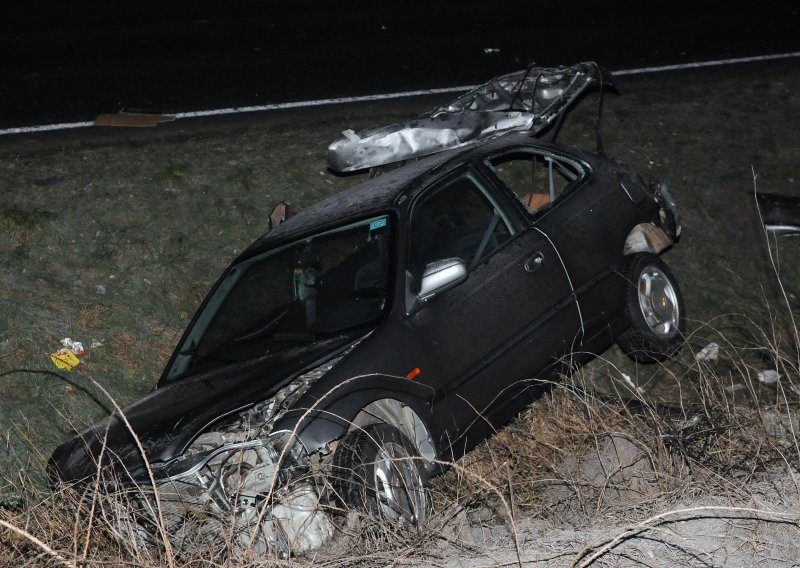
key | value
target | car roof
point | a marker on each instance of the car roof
(381, 193)
(372, 195)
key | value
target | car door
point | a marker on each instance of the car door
(582, 218)
(512, 318)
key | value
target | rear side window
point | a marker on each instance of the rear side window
(537, 179)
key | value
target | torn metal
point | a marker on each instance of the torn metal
(524, 100)
(218, 486)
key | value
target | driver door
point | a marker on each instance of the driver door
(510, 320)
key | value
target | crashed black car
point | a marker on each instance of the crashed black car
(360, 344)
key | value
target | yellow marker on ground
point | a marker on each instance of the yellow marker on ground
(65, 360)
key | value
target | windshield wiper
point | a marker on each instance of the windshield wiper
(294, 337)
(192, 351)
(264, 329)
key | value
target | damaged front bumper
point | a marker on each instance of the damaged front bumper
(251, 497)
(240, 487)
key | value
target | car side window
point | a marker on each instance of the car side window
(459, 220)
(537, 179)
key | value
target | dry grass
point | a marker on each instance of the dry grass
(572, 458)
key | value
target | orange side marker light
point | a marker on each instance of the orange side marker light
(413, 373)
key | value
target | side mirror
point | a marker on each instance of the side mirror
(439, 277)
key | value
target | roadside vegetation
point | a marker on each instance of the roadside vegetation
(693, 462)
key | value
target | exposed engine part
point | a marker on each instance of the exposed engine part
(295, 524)
(236, 487)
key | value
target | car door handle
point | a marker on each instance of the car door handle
(533, 262)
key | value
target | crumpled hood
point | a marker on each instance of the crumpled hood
(524, 100)
(169, 418)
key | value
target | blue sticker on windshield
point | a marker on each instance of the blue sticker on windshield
(379, 224)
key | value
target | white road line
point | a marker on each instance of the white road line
(399, 95)
(712, 63)
(45, 127)
(323, 102)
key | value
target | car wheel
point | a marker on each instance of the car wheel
(654, 308)
(378, 470)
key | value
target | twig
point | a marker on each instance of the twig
(28, 536)
(162, 529)
(656, 520)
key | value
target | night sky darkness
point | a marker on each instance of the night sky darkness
(67, 62)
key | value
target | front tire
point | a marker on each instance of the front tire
(378, 470)
(654, 308)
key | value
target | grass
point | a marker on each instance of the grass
(117, 244)
(573, 459)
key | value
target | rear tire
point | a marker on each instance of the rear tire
(654, 307)
(378, 470)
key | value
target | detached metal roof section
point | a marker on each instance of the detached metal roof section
(524, 100)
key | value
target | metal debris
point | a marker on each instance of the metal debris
(529, 99)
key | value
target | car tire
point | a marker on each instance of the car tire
(654, 308)
(378, 470)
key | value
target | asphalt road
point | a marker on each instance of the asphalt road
(68, 62)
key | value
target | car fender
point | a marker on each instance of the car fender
(319, 418)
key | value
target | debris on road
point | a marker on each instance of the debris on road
(132, 119)
(279, 214)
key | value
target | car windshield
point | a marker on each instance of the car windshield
(308, 289)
